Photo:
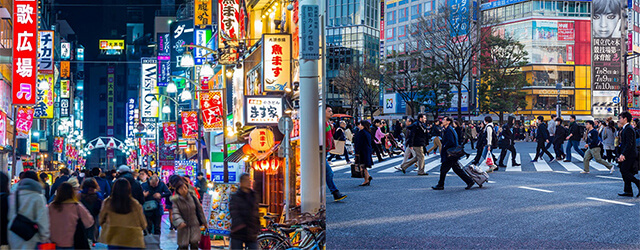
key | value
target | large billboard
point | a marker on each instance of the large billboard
(149, 88)
(164, 59)
(181, 34)
(606, 55)
(25, 27)
(276, 60)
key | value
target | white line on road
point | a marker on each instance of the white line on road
(511, 167)
(393, 170)
(570, 166)
(562, 172)
(610, 201)
(536, 189)
(491, 181)
(609, 177)
(541, 165)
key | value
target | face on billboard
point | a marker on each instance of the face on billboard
(606, 19)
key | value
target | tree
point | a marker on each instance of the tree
(348, 83)
(502, 78)
(436, 96)
(359, 83)
(403, 75)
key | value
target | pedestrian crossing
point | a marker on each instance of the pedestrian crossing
(432, 164)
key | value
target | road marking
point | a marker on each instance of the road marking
(541, 165)
(592, 164)
(609, 177)
(570, 166)
(393, 169)
(536, 189)
(431, 165)
(466, 161)
(610, 201)
(562, 172)
(491, 182)
(387, 162)
(510, 167)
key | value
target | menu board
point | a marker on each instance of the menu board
(220, 218)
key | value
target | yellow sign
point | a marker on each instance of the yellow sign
(35, 147)
(203, 12)
(64, 89)
(65, 69)
(553, 92)
(111, 44)
(44, 98)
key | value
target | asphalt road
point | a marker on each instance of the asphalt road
(531, 208)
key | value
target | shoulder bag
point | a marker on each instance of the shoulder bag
(23, 226)
(356, 168)
(80, 240)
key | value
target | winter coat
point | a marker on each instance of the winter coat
(187, 210)
(105, 186)
(64, 221)
(162, 189)
(136, 188)
(608, 138)
(34, 207)
(419, 134)
(57, 183)
(363, 148)
(124, 230)
(243, 207)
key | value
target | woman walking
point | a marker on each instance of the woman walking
(29, 202)
(64, 214)
(376, 139)
(122, 219)
(188, 216)
(608, 139)
(363, 150)
(91, 198)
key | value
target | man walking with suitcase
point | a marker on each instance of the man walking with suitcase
(450, 140)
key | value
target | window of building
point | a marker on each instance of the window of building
(427, 6)
(402, 32)
(402, 14)
(415, 10)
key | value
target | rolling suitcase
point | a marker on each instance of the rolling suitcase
(479, 176)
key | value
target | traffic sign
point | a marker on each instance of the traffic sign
(616, 100)
(140, 134)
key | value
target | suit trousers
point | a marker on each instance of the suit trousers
(417, 158)
(540, 150)
(627, 169)
(408, 154)
(595, 154)
(503, 154)
(557, 149)
(452, 164)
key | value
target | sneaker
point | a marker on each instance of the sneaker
(337, 196)
(584, 172)
(534, 160)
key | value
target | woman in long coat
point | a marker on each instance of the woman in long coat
(188, 216)
(363, 150)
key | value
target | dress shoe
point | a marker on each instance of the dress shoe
(469, 185)
(424, 174)
(437, 188)
(515, 164)
(626, 194)
(366, 184)
(567, 161)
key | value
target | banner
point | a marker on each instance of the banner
(211, 104)
(25, 26)
(24, 120)
(3, 129)
(65, 69)
(202, 38)
(65, 107)
(65, 51)
(5, 98)
(262, 110)
(606, 47)
(181, 34)
(203, 14)
(170, 135)
(111, 77)
(189, 124)
(64, 89)
(45, 51)
(164, 59)
(149, 88)
(230, 27)
(58, 144)
(276, 62)
(44, 98)
(131, 118)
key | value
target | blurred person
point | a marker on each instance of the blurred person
(552, 131)
(573, 138)
(363, 150)
(628, 154)
(561, 134)
(377, 135)
(136, 190)
(44, 180)
(245, 219)
(92, 199)
(122, 219)
(340, 136)
(419, 136)
(4, 209)
(154, 191)
(143, 175)
(608, 140)
(509, 137)
(28, 201)
(436, 133)
(188, 216)
(201, 184)
(408, 144)
(450, 140)
(593, 148)
(65, 212)
(337, 196)
(542, 136)
(65, 174)
(103, 183)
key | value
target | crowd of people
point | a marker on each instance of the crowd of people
(82, 208)
(606, 142)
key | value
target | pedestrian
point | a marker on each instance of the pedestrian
(340, 140)
(608, 140)
(561, 134)
(509, 143)
(376, 139)
(91, 199)
(573, 139)
(200, 185)
(436, 133)
(450, 140)
(397, 130)
(154, 191)
(28, 201)
(111, 176)
(44, 180)
(122, 219)
(188, 216)
(490, 140)
(103, 184)
(593, 148)
(363, 150)
(628, 154)
(136, 190)
(408, 149)
(337, 196)
(4, 210)
(65, 212)
(64, 176)
(245, 219)
(474, 135)
(480, 143)
(417, 140)
(552, 131)
(542, 137)
(143, 175)
(459, 131)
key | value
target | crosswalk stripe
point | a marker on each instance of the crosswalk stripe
(541, 165)
(382, 164)
(510, 166)
(570, 166)
(466, 161)
(592, 164)
(431, 165)
(393, 168)
(340, 167)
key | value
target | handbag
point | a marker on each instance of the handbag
(356, 168)
(456, 152)
(80, 240)
(23, 226)
(205, 240)
(489, 160)
(339, 148)
(150, 206)
(151, 241)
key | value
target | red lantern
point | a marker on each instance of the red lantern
(261, 139)
(268, 166)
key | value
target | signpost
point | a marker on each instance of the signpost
(285, 124)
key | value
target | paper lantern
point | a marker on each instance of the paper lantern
(261, 139)
(268, 166)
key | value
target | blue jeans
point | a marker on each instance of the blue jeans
(576, 147)
(332, 186)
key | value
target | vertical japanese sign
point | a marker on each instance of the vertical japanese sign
(64, 89)
(65, 107)
(189, 124)
(44, 98)
(111, 77)
(309, 33)
(276, 56)
(164, 59)
(65, 69)
(24, 120)
(25, 26)
(131, 118)
(230, 27)
(3, 128)
(170, 135)
(202, 37)
(203, 10)
(459, 17)
(181, 34)
(606, 55)
(65, 51)
(211, 104)
(45, 51)
(58, 145)
(5, 98)
(150, 130)
(263, 110)
(149, 89)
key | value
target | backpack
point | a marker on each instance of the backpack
(494, 136)
(581, 129)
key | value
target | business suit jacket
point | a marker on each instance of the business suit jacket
(628, 143)
(448, 141)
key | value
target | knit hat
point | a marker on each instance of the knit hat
(124, 169)
(74, 182)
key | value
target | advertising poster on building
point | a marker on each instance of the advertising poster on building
(44, 98)
(203, 15)
(202, 38)
(65, 107)
(65, 69)
(169, 130)
(58, 144)
(64, 89)
(24, 120)
(45, 51)
(111, 77)
(131, 118)
(25, 45)
(276, 61)
(263, 110)
(181, 34)
(606, 56)
(186, 168)
(230, 27)
(65, 51)
(149, 89)
(189, 124)
(220, 218)
(164, 59)
(150, 130)
(211, 103)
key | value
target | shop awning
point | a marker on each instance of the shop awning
(239, 155)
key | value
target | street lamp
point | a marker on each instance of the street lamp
(166, 109)
(171, 88)
(186, 95)
(206, 70)
(187, 60)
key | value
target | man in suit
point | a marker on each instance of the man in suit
(542, 136)
(628, 154)
(417, 142)
(450, 140)
(509, 143)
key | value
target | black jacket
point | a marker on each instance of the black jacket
(460, 134)
(628, 143)
(507, 134)
(593, 139)
(339, 135)
(162, 189)
(561, 134)
(419, 134)
(448, 141)
(244, 213)
(136, 189)
(542, 133)
(57, 184)
(574, 129)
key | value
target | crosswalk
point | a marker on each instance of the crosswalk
(432, 164)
